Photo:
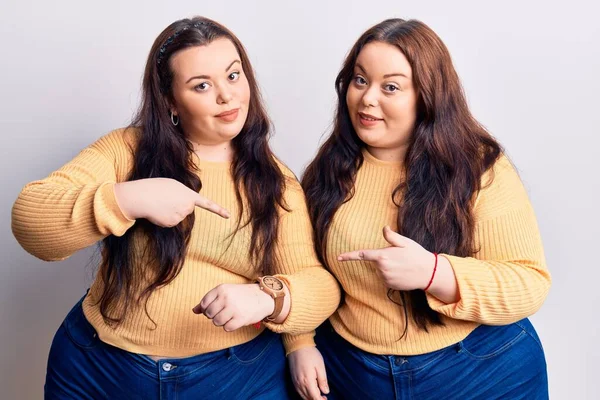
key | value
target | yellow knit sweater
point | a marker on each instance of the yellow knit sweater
(75, 207)
(505, 281)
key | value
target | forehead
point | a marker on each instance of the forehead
(212, 58)
(381, 58)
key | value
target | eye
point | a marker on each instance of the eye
(234, 76)
(391, 88)
(202, 87)
(359, 80)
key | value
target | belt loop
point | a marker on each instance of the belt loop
(459, 347)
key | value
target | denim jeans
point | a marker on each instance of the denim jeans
(81, 366)
(493, 362)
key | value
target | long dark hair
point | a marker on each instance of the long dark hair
(163, 151)
(447, 156)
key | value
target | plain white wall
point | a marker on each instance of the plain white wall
(71, 71)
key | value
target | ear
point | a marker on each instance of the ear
(171, 105)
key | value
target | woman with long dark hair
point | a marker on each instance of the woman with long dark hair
(436, 305)
(201, 132)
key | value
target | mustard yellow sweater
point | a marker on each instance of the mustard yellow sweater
(75, 207)
(505, 281)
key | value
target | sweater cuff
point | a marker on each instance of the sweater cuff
(463, 267)
(314, 296)
(297, 342)
(110, 219)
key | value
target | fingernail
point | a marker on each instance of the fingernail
(339, 258)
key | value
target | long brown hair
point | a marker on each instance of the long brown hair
(164, 151)
(447, 156)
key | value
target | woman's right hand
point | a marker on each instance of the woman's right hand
(163, 201)
(308, 373)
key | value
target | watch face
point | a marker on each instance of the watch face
(272, 283)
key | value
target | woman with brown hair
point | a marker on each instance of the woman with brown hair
(436, 305)
(201, 131)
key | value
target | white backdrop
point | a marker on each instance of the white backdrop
(70, 71)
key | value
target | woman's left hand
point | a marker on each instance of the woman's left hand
(233, 306)
(307, 368)
(405, 265)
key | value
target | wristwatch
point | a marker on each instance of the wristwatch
(274, 288)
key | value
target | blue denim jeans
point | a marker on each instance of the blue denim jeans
(493, 362)
(81, 366)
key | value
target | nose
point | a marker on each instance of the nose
(370, 97)
(225, 95)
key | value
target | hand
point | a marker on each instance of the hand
(233, 306)
(405, 265)
(163, 201)
(308, 373)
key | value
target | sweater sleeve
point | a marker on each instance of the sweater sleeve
(315, 293)
(75, 206)
(507, 279)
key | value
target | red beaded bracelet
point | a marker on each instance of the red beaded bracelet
(433, 274)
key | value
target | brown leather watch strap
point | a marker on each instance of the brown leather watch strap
(274, 288)
(277, 310)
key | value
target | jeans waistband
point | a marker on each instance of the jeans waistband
(82, 332)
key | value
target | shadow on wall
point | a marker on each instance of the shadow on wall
(33, 308)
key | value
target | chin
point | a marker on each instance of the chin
(369, 138)
(231, 132)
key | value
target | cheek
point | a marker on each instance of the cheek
(244, 92)
(401, 112)
(352, 97)
(197, 106)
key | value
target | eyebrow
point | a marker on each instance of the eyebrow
(208, 77)
(386, 76)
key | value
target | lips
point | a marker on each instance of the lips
(369, 117)
(368, 120)
(228, 116)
